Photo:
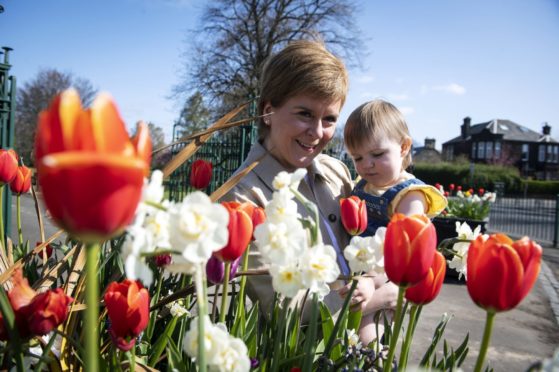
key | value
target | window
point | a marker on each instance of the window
(555, 154)
(541, 153)
(481, 150)
(497, 150)
(525, 152)
(549, 157)
(488, 150)
(474, 150)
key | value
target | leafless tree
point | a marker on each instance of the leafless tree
(35, 96)
(236, 36)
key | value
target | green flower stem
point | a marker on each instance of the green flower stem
(313, 209)
(485, 342)
(10, 323)
(153, 315)
(311, 336)
(343, 311)
(241, 296)
(132, 358)
(280, 332)
(397, 326)
(409, 336)
(92, 308)
(2, 238)
(19, 232)
(224, 292)
(202, 311)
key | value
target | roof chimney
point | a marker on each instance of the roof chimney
(546, 130)
(430, 143)
(466, 127)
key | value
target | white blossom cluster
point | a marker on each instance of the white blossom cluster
(224, 353)
(460, 249)
(487, 196)
(191, 230)
(294, 263)
(366, 253)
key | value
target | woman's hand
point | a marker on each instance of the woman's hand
(361, 295)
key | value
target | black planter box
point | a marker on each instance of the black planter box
(446, 229)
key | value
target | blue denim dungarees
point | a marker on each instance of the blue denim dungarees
(377, 206)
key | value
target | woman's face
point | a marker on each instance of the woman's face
(299, 129)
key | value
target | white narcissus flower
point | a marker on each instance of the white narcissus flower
(198, 227)
(353, 338)
(177, 310)
(156, 222)
(138, 240)
(490, 197)
(214, 341)
(366, 253)
(318, 268)
(281, 208)
(460, 194)
(153, 190)
(284, 180)
(232, 358)
(286, 279)
(282, 242)
(460, 249)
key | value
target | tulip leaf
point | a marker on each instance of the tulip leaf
(159, 345)
(251, 335)
(439, 330)
(174, 354)
(328, 328)
(354, 320)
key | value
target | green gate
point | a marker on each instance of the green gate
(7, 122)
(226, 150)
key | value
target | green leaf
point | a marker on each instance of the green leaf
(354, 320)
(159, 345)
(176, 362)
(439, 331)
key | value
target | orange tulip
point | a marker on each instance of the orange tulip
(240, 232)
(501, 272)
(428, 289)
(409, 248)
(127, 306)
(36, 313)
(200, 174)
(8, 166)
(90, 172)
(256, 214)
(22, 181)
(354, 214)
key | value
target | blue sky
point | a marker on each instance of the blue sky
(437, 60)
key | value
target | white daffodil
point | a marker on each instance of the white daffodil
(286, 279)
(177, 310)
(232, 358)
(364, 254)
(280, 243)
(353, 338)
(281, 208)
(460, 249)
(156, 222)
(198, 228)
(214, 340)
(460, 194)
(138, 240)
(153, 190)
(318, 268)
(490, 197)
(284, 180)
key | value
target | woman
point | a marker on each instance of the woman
(303, 88)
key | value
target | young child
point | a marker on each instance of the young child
(377, 138)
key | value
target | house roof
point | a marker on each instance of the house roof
(510, 130)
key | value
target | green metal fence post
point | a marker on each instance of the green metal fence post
(7, 120)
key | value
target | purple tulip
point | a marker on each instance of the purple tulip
(215, 269)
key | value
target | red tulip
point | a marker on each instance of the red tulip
(90, 172)
(256, 214)
(451, 187)
(437, 186)
(36, 313)
(481, 191)
(22, 181)
(48, 248)
(446, 194)
(459, 188)
(240, 232)
(409, 248)
(162, 260)
(501, 272)
(200, 174)
(127, 306)
(354, 214)
(8, 166)
(426, 290)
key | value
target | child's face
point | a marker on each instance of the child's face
(379, 161)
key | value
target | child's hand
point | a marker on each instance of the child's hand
(362, 293)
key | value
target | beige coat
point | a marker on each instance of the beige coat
(332, 181)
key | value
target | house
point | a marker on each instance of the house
(426, 153)
(505, 142)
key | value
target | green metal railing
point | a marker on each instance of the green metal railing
(7, 122)
(226, 150)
